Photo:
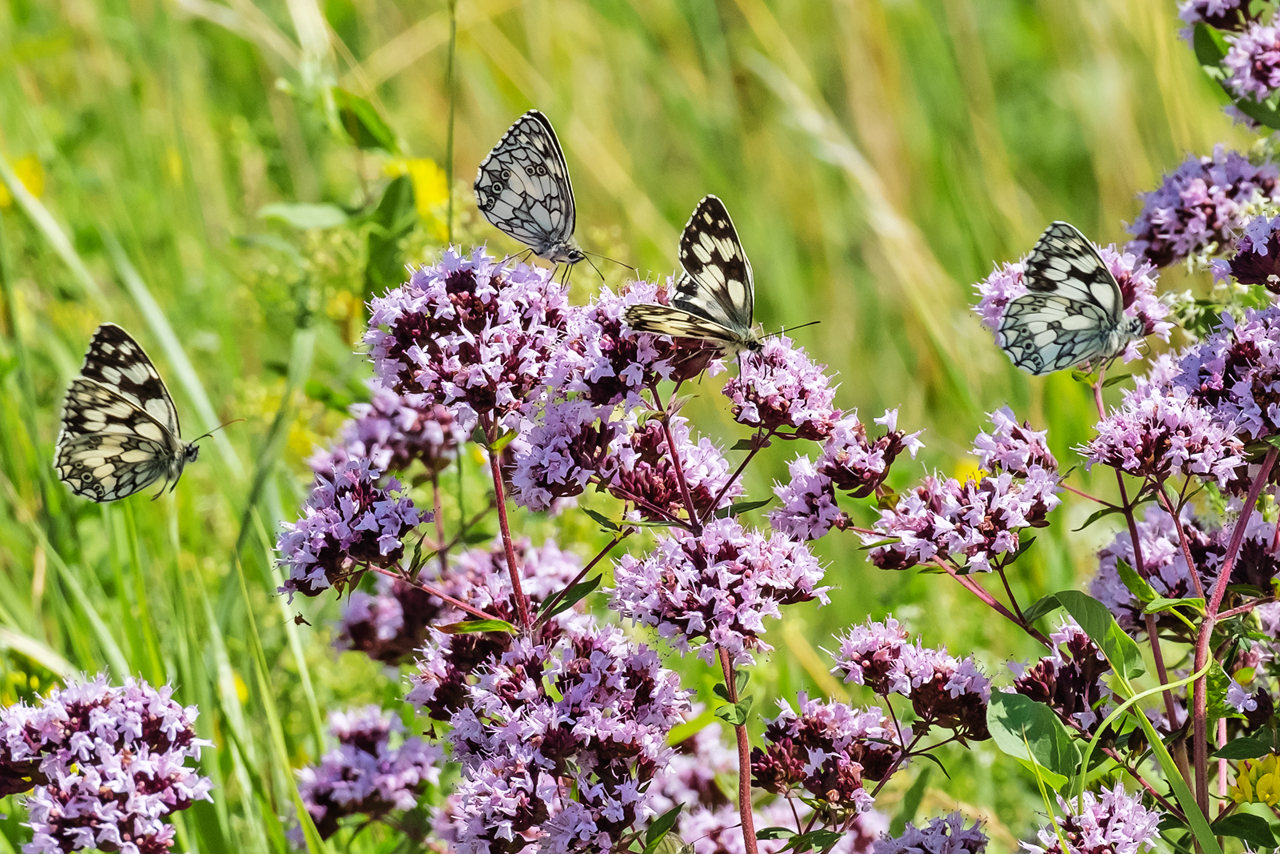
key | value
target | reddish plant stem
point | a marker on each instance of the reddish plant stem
(1170, 707)
(1182, 538)
(976, 589)
(674, 452)
(745, 811)
(439, 520)
(1069, 488)
(1012, 599)
(1200, 695)
(757, 445)
(1247, 606)
(554, 600)
(440, 594)
(517, 590)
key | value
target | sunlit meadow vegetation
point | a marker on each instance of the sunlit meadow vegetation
(195, 170)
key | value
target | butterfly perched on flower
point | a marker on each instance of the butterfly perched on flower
(1073, 311)
(523, 188)
(714, 298)
(120, 429)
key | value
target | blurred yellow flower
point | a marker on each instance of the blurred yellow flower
(30, 173)
(430, 188)
(968, 469)
(1258, 782)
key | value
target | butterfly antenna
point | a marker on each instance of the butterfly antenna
(784, 330)
(635, 270)
(594, 267)
(215, 430)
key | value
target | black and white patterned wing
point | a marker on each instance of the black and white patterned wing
(1065, 263)
(719, 285)
(1047, 332)
(109, 448)
(678, 323)
(118, 362)
(523, 186)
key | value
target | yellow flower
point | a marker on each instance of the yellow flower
(1258, 782)
(30, 173)
(430, 188)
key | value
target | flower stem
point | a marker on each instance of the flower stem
(976, 589)
(758, 443)
(554, 600)
(675, 461)
(517, 591)
(744, 760)
(1200, 696)
(1182, 538)
(439, 594)
(1179, 750)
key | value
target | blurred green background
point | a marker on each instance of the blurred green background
(878, 157)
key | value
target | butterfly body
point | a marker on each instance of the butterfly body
(714, 298)
(523, 189)
(120, 431)
(1073, 311)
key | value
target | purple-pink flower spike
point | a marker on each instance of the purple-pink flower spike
(1112, 822)
(945, 835)
(780, 390)
(107, 764)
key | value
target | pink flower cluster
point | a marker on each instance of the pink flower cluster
(850, 462)
(392, 431)
(828, 750)
(349, 524)
(1253, 62)
(107, 765)
(364, 774)
(1257, 257)
(470, 333)
(779, 390)
(945, 835)
(1069, 679)
(1112, 822)
(1199, 206)
(944, 691)
(717, 587)
(976, 522)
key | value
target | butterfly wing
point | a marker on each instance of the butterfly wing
(110, 447)
(118, 362)
(678, 323)
(718, 284)
(523, 186)
(1064, 262)
(1073, 310)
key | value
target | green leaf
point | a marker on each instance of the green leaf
(470, 627)
(304, 216)
(1103, 513)
(362, 123)
(573, 596)
(1248, 747)
(1273, 441)
(743, 445)
(721, 691)
(1118, 378)
(910, 802)
(774, 833)
(741, 678)
(475, 537)
(660, 827)
(1040, 608)
(391, 221)
(1161, 603)
(1209, 51)
(1120, 649)
(1253, 829)
(1218, 683)
(819, 839)
(329, 396)
(1031, 731)
(1083, 376)
(735, 715)
(601, 520)
(741, 507)
(885, 542)
(1137, 585)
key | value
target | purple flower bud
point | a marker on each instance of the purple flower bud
(349, 524)
(1012, 447)
(1198, 206)
(1253, 60)
(392, 431)
(779, 390)
(809, 509)
(569, 446)
(827, 749)
(717, 586)
(1257, 258)
(107, 765)
(639, 470)
(365, 775)
(946, 835)
(1113, 822)
(469, 333)
(1070, 679)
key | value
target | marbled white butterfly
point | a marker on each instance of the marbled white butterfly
(119, 426)
(1074, 311)
(523, 188)
(714, 298)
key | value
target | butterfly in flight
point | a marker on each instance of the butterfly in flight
(1073, 311)
(523, 188)
(714, 298)
(119, 426)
